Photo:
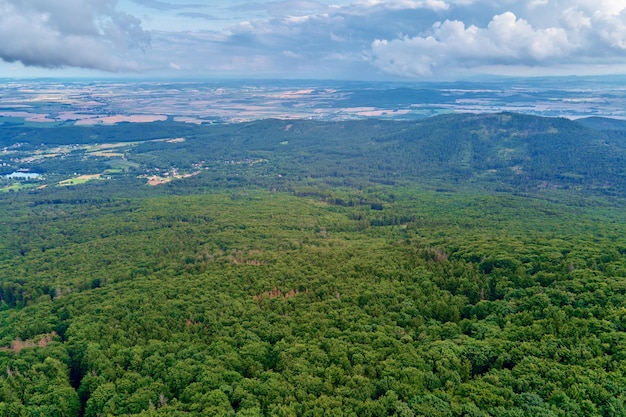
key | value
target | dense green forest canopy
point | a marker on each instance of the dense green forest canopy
(465, 265)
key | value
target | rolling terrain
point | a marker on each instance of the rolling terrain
(510, 152)
(460, 265)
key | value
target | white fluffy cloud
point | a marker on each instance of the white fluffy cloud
(417, 38)
(506, 40)
(541, 35)
(69, 33)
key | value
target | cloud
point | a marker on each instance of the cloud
(302, 35)
(312, 30)
(70, 33)
(164, 5)
(547, 37)
(284, 7)
(506, 40)
(404, 4)
(197, 15)
(311, 38)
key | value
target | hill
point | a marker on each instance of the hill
(465, 265)
(603, 123)
(507, 152)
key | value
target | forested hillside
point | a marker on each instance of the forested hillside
(468, 265)
(496, 152)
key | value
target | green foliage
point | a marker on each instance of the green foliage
(497, 152)
(303, 298)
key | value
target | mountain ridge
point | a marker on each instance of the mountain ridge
(509, 151)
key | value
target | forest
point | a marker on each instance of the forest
(466, 265)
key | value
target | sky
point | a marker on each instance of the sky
(311, 39)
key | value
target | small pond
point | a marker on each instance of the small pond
(22, 175)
